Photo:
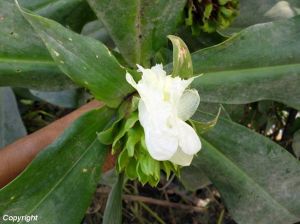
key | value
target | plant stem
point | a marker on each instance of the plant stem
(151, 212)
(220, 219)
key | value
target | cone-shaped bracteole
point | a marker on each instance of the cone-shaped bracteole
(210, 15)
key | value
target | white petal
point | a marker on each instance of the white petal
(189, 141)
(143, 114)
(187, 82)
(159, 70)
(160, 141)
(149, 78)
(188, 104)
(176, 87)
(161, 145)
(130, 80)
(181, 158)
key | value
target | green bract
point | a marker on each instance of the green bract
(210, 15)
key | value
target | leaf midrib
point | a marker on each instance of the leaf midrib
(251, 69)
(138, 24)
(27, 61)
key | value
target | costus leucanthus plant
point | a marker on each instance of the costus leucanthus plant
(196, 108)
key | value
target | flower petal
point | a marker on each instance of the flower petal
(181, 158)
(143, 114)
(189, 141)
(160, 141)
(187, 82)
(160, 145)
(188, 104)
(159, 70)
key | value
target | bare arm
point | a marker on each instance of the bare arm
(16, 156)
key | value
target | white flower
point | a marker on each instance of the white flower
(164, 107)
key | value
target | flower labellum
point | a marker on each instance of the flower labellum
(164, 107)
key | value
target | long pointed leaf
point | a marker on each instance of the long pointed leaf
(258, 180)
(11, 125)
(265, 11)
(113, 209)
(260, 63)
(59, 183)
(71, 13)
(24, 60)
(86, 61)
(138, 27)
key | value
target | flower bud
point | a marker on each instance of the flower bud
(210, 15)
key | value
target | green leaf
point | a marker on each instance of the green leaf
(11, 125)
(204, 126)
(71, 13)
(134, 136)
(96, 30)
(138, 27)
(130, 169)
(113, 209)
(167, 167)
(109, 178)
(207, 11)
(148, 164)
(243, 69)
(117, 129)
(67, 98)
(182, 62)
(123, 160)
(258, 179)
(125, 127)
(87, 61)
(108, 135)
(24, 60)
(265, 11)
(142, 177)
(202, 41)
(59, 183)
(193, 178)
